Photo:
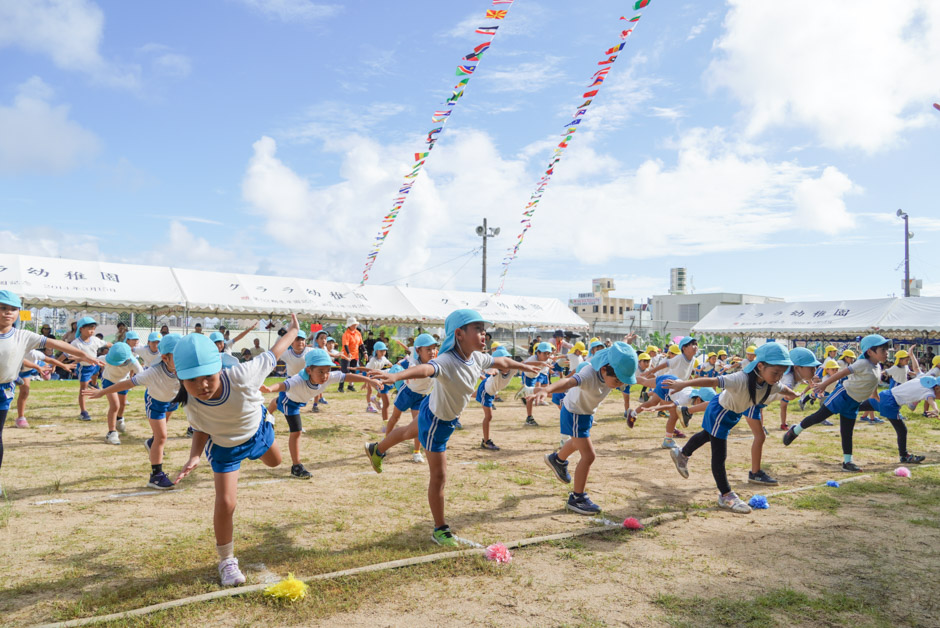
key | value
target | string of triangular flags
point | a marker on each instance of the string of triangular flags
(468, 65)
(597, 82)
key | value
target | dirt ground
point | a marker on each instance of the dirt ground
(81, 535)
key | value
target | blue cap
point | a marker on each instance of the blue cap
(380, 346)
(10, 298)
(928, 381)
(544, 347)
(315, 357)
(596, 343)
(301, 334)
(330, 339)
(119, 353)
(500, 353)
(397, 368)
(772, 353)
(686, 340)
(216, 337)
(705, 394)
(196, 356)
(168, 343)
(621, 357)
(454, 321)
(85, 321)
(871, 341)
(425, 340)
(801, 356)
(317, 333)
(132, 335)
(154, 337)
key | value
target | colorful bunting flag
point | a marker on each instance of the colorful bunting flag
(464, 70)
(640, 4)
(487, 30)
(626, 33)
(494, 14)
(608, 61)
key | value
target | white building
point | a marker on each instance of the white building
(675, 314)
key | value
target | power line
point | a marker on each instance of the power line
(459, 269)
(471, 252)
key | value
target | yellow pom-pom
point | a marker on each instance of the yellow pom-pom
(290, 588)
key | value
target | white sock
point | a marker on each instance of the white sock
(226, 551)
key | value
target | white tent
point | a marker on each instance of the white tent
(504, 310)
(912, 318)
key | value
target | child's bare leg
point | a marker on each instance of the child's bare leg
(226, 496)
(626, 402)
(586, 449)
(159, 440)
(293, 445)
(21, 396)
(81, 400)
(783, 413)
(383, 397)
(393, 420)
(487, 417)
(437, 463)
(112, 411)
(671, 421)
(757, 446)
(399, 435)
(122, 405)
(272, 457)
(528, 405)
(272, 407)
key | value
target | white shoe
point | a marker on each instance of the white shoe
(681, 461)
(230, 574)
(112, 438)
(417, 457)
(120, 426)
(668, 443)
(733, 503)
(21, 422)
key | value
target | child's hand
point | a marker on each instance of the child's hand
(191, 464)
(266, 389)
(674, 384)
(294, 324)
(532, 367)
(69, 367)
(92, 393)
(538, 396)
(381, 378)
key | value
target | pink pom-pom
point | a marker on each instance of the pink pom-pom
(498, 552)
(631, 523)
(902, 472)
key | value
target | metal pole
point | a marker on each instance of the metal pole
(485, 233)
(907, 261)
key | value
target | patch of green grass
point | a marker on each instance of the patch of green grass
(930, 523)
(6, 511)
(521, 480)
(817, 501)
(487, 466)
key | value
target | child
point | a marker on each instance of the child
(294, 360)
(226, 410)
(889, 404)
(456, 369)
(609, 369)
(543, 352)
(410, 396)
(120, 364)
(14, 345)
(860, 384)
(900, 371)
(749, 354)
(297, 390)
(162, 387)
(678, 367)
(150, 352)
(848, 356)
(35, 365)
(379, 362)
(494, 381)
(752, 386)
(319, 342)
(228, 360)
(88, 344)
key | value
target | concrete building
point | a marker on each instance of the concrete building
(675, 314)
(597, 305)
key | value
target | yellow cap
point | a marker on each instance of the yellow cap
(830, 364)
(830, 348)
(643, 356)
(721, 352)
(695, 363)
(900, 353)
(848, 353)
(595, 339)
(936, 361)
(494, 345)
(674, 349)
(652, 348)
(711, 354)
(578, 346)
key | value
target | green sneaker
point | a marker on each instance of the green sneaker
(375, 458)
(443, 536)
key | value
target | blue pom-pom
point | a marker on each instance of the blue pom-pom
(832, 483)
(758, 502)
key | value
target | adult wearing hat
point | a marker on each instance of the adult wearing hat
(352, 341)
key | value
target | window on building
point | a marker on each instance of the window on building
(689, 313)
(595, 309)
(621, 309)
(605, 309)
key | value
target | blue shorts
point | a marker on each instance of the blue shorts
(387, 388)
(288, 407)
(483, 397)
(6, 395)
(433, 433)
(839, 402)
(30, 374)
(157, 410)
(557, 398)
(85, 372)
(660, 391)
(228, 459)
(754, 412)
(107, 382)
(887, 406)
(576, 425)
(718, 420)
(408, 399)
(541, 378)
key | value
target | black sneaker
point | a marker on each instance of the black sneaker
(189, 432)
(489, 444)
(789, 437)
(298, 471)
(582, 504)
(912, 459)
(851, 467)
(531, 421)
(558, 467)
(686, 416)
(802, 402)
(761, 477)
(351, 388)
(828, 423)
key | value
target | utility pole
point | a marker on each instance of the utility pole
(907, 259)
(486, 232)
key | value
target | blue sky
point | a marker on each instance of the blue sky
(765, 146)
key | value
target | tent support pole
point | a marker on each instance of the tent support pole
(513, 341)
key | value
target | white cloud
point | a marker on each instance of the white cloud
(819, 202)
(69, 32)
(184, 249)
(50, 242)
(293, 10)
(38, 136)
(524, 77)
(855, 72)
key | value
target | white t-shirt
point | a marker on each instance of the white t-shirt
(587, 396)
(528, 376)
(735, 397)
(115, 374)
(234, 417)
(898, 373)
(161, 384)
(89, 348)
(301, 390)
(421, 386)
(456, 382)
(149, 357)
(377, 364)
(863, 379)
(680, 367)
(498, 382)
(574, 360)
(294, 362)
(912, 392)
(14, 346)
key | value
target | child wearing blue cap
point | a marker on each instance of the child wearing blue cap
(751, 386)
(88, 344)
(860, 383)
(298, 390)
(162, 387)
(608, 369)
(494, 380)
(226, 410)
(889, 402)
(455, 370)
(36, 365)
(120, 364)
(678, 367)
(294, 360)
(530, 384)
(15, 345)
(149, 353)
(410, 396)
(320, 341)
(378, 362)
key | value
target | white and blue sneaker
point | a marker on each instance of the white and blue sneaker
(160, 481)
(582, 504)
(558, 467)
(230, 574)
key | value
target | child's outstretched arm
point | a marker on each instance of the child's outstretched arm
(65, 347)
(278, 387)
(562, 385)
(418, 371)
(287, 339)
(698, 382)
(93, 393)
(195, 450)
(820, 388)
(352, 377)
(505, 364)
(247, 331)
(61, 365)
